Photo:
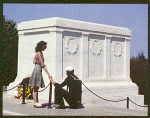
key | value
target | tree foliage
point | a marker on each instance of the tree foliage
(139, 74)
(140, 57)
(9, 49)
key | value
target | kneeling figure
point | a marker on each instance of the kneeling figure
(73, 97)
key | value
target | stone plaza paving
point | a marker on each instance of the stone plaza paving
(14, 107)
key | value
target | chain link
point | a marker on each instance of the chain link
(44, 88)
(104, 98)
(12, 88)
(137, 104)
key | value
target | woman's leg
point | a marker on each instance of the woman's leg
(35, 94)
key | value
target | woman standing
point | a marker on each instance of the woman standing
(36, 79)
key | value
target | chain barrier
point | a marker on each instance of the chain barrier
(104, 98)
(44, 88)
(137, 104)
(12, 88)
(21, 83)
(113, 100)
(89, 90)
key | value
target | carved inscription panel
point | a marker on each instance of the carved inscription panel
(96, 56)
(117, 57)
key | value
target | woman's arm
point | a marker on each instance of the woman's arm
(46, 71)
(49, 75)
(40, 59)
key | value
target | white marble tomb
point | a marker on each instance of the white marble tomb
(100, 55)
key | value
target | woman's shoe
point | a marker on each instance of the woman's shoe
(38, 105)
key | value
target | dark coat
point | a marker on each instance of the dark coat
(74, 86)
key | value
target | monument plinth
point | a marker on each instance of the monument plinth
(100, 55)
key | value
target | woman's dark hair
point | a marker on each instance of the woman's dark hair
(39, 46)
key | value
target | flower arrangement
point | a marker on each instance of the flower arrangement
(28, 92)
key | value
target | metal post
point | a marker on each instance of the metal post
(50, 95)
(23, 100)
(127, 102)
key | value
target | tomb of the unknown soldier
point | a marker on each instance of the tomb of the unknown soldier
(100, 55)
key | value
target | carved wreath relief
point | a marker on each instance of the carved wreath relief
(75, 46)
(99, 47)
(120, 50)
